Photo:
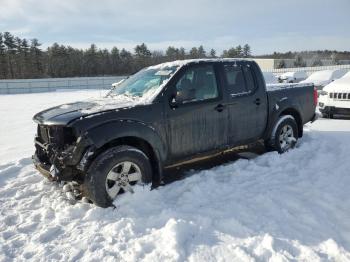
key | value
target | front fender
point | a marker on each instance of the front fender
(105, 133)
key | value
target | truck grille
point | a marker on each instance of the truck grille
(339, 96)
(55, 135)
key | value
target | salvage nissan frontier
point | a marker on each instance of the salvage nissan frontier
(165, 115)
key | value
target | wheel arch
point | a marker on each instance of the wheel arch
(130, 133)
(294, 113)
(138, 143)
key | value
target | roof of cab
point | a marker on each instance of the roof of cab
(195, 61)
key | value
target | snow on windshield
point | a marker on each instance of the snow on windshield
(143, 82)
(140, 88)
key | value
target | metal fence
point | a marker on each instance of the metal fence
(18, 86)
(308, 70)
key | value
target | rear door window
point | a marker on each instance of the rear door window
(234, 79)
(249, 79)
(239, 80)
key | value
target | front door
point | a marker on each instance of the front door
(198, 121)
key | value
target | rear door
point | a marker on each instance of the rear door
(246, 102)
(197, 122)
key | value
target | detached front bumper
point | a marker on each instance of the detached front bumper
(58, 164)
(44, 169)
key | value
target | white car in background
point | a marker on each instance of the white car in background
(323, 78)
(335, 98)
(292, 77)
(270, 78)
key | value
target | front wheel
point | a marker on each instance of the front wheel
(284, 134)
(114, 172)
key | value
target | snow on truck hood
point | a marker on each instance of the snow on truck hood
(65, 113)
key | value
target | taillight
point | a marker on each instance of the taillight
(315, 96)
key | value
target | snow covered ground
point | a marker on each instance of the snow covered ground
(294, 206)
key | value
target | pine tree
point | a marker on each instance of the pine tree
(36, 58)
(239, 51)
(246, 51)
(3, 63)
(127, 65)
(25, 58)
(115, 61)
(90, 57)
(194, 53)
(105, 62)
(9, 42)
(172, 53)
(231, 53)
(212, 53)
(201, 52)
(142, 56)
(182, 53)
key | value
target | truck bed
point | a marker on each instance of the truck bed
(300, 96)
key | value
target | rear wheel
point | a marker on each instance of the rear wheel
(284, 135)
(114, 172)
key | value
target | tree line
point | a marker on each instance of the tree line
(22, 58)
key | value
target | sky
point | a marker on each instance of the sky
(267, 26)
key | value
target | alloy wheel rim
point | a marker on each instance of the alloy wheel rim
(122, 177)
(286, 137)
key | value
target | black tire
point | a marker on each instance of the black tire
(95, 180)
(273, 143)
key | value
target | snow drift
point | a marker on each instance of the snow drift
(274, 207)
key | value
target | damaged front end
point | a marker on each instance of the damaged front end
(59, 154)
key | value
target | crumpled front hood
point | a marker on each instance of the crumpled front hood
(63, 114)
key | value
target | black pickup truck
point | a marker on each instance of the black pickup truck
(163, 116)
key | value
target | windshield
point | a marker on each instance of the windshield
(145, 81)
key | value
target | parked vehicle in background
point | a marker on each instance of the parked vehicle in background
(292, 77)
(347, 75)
(322, 78)
(163, 116)
(335, 98)
(270, 78)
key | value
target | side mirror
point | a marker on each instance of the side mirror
(172, 102)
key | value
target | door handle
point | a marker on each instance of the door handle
(219, 107)
(257, 101)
